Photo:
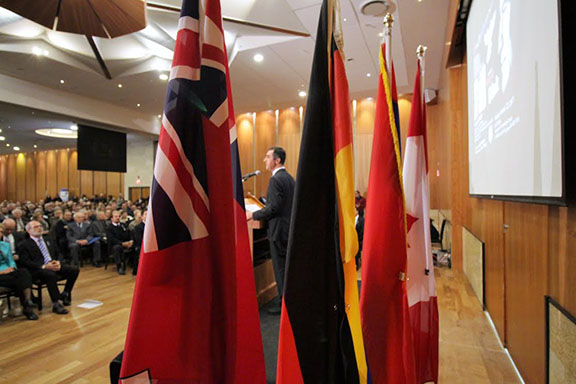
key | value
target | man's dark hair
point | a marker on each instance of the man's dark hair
(279, 153)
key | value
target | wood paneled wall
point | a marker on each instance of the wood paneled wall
(259, 131)
(31, 176)
(528, 247)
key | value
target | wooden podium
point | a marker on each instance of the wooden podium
(266, 288)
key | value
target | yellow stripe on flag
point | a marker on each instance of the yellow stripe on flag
(343, 164)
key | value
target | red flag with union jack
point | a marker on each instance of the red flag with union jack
(194, 314)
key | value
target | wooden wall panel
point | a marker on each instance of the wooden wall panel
(3, 178)
(439, 155)
(526, 284)
(74, 174)
(113, 183)
(87, 183)
(21, 177)
(245, 132)
(11, 178)
(100, 183)
(493, 236)
(459, 153)
(265, 138)
(289, 137)
(41, 189)
(365, 112)
(62, 169)
(30, 193)
(51, 173)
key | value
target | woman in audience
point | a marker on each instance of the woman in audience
(17, 279)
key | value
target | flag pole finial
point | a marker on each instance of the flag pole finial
(388, 20)
(421, 51)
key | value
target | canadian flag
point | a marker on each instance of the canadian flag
(421, 287)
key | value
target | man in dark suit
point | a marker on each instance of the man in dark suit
(37, 255)
(277, 211)
(80, 235)
(120, 241)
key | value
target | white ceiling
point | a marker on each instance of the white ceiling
(138, 59)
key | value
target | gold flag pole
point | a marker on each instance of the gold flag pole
(388, 22)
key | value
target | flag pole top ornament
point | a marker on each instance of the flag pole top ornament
(388, 20)
(421, 51)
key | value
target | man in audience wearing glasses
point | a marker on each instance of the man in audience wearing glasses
(37, 255)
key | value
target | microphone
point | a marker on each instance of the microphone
(249, 175)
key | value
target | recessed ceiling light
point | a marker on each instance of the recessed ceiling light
(119, 85)
(37, 51)
(2, 138)
(368, 74)
(377, 8)
(163, 77)
(35, 146)
(380, 34)
(344, 19)
(258, 58)
(302, 93)
(138, 105)
(7, 144)
(16, 148)
(73, 127)
(159, 116)
(58, 132)
(61, 81)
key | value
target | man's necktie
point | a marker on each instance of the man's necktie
(44, 251)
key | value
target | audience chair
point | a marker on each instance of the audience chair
(7, 293)
(38, 285)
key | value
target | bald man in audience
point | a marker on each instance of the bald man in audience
(37, 255)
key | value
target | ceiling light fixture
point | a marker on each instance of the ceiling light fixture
(368, 74)
(73, 127)
(35, 146)
(37, 51)
(16, 148)
(258, 58)
(2, 138)
(119, 85)
(60, 133)
(138, 105)
(7, 144)
(163, 77)
(61, 81)
(302, 93)
(377, 8)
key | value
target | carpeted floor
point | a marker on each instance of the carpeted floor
(270, 325)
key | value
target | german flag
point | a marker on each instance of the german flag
(320, 332)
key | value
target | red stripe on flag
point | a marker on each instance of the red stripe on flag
(340, 104)
(187, 49)
(171, 151)
(424, 314)
(213, 53)
(288, 371)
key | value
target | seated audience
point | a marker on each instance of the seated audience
(17, 215)
(138, 239)
(79, 236)
(17, 279)
(120, 241)
(61, 231)
(12, 237)
(37, 255)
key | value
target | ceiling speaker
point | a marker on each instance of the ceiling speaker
(377, 8)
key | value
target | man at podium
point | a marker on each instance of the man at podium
(277, 212)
